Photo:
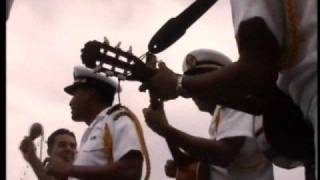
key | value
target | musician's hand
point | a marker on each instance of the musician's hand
(58, 167)
(163, 84)
(156, 119)
(28, 149)
(170, 168)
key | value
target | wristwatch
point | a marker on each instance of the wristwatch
(180, 89)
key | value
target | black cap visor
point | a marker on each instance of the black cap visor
(71, 88)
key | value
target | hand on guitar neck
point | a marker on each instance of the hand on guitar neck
(159, 123)
(183, 167)
(155, 115)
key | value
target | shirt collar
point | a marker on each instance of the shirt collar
(100, 116)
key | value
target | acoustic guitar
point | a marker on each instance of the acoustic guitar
(113, 61)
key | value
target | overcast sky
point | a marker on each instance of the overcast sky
(44, 38)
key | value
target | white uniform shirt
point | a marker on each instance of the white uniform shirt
(250, 163)
(124, 139)
(299, 82)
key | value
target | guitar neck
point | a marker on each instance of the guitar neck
(115, 62)
(176, 153)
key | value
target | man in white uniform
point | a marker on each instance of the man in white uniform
(232, 150)
(61, 144)
(298, 75)
(277, 43)
(110, 147)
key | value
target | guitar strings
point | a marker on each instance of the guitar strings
(143, 56)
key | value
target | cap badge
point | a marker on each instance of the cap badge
(191, 61)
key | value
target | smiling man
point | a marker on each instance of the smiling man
(61, 144)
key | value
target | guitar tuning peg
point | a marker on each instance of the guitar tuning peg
(130, 50)
(118, 45)
(106, 41)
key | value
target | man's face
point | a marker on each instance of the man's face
(79, 103)
(203, 102)
(64, 147)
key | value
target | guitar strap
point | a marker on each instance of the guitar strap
(133, 117)
(293, 39)
(175, 27)
(107, 141)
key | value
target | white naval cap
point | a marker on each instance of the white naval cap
(83, 75)
(204, 58)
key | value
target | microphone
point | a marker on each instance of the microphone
(35, 131)
(175, 28)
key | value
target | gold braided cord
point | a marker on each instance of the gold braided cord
(290, 58)
(107, 139)
(139, 130)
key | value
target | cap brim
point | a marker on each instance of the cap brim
(71, 88)
(200, 70)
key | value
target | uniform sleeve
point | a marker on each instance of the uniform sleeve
(125, 137)
(235, 123)
(271, 11)
(8, 8)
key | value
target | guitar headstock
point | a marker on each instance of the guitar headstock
(113, 61)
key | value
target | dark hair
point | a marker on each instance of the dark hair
(105, 92)
(52, 137)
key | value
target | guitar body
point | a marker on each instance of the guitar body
(194, 171)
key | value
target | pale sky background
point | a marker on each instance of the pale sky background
(44, 38)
